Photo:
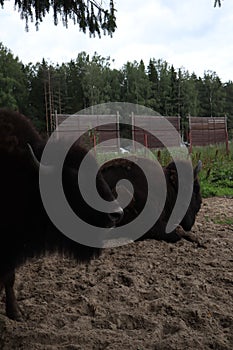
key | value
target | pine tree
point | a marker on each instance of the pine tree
(87, 14)
(174, 92)
(13, 82)
(153, 100)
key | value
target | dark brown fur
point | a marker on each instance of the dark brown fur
(26, 230)
(117, 169)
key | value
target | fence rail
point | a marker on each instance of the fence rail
(142, 123)
(202, 130)
(206, 131)
(94, 131)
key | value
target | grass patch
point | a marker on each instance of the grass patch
(223, 221)
(216, 177)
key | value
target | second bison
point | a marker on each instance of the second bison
(117, 169)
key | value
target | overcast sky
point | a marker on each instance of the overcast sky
(190, 34)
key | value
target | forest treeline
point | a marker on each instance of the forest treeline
(38, 89)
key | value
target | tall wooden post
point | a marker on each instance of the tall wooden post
(227, 138)
(190, 136)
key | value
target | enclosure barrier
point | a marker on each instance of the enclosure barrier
(202, 131)
(205, 131)
(143, 137)
(96, 134)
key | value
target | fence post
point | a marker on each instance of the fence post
(146, 140)
(118, 131)
(226, 133)
(133, 131)
(94, 141)
(190, 136)
(146, 143)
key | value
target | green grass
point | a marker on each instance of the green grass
(216, 177)
(223, 221)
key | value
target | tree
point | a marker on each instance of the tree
(87, 14)
(95, 84)
(13, 84)
(212, 95)
(73, 76)
(153, 101)
(115, 78)
(174, 92)
(37, 76)
(188, 101)
(164, 88)
(228, 88)
(136, 84)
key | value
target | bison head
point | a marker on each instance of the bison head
(117, 169)
(172, 181)
(72, 191)
(195, 203)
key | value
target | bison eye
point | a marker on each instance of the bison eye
(116, 216)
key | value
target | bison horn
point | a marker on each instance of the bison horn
(46, 169)
(198, 168)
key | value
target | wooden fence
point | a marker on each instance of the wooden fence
(202, 131)
(95, 131)
(156, 125)
(206, 131)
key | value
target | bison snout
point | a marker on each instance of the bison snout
(116, 216)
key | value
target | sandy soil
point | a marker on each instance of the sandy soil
(147, 295)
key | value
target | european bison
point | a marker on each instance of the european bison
(26, 230)
(117, 169)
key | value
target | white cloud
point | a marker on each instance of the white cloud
(192, 34)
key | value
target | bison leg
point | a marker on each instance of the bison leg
(12, 309)
(171, 237)
(178, 234)
(189, 236)
(158, 233)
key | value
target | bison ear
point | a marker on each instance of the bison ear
(173, 177)
(197, 169)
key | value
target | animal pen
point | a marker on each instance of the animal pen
(205, 131)
(202, 131)
(93, 130)
(144, 128)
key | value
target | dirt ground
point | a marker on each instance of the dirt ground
(146, 295)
